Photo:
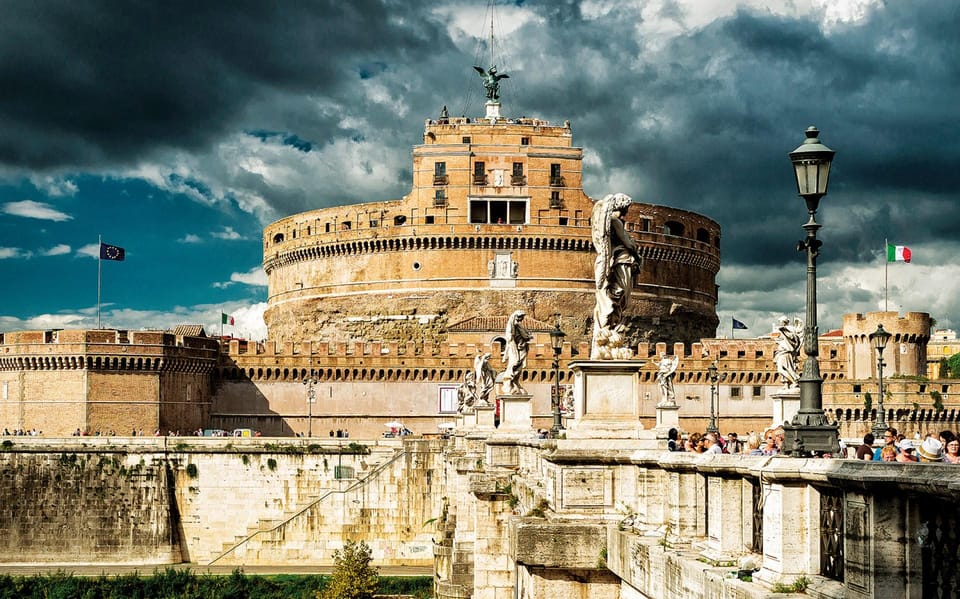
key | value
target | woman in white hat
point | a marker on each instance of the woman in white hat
(931, 450)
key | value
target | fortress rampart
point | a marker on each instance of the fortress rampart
(94, 381)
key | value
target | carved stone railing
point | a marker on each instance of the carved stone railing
(722, 525)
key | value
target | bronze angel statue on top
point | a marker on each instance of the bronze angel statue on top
(491, 81)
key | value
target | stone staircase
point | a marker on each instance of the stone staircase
(265, 526)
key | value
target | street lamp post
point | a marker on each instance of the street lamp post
(879, 340)
(809, 430)
(556, 342)
(311, 384)
(714, 377)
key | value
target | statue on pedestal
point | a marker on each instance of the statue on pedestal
(491, 82)
(518, 341)
(467, 393)
(485, 377)
(618, 261)
(787, 354)
(666, 370)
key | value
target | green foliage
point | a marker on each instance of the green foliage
(271, 464)
(181, 447)
(192, 470)
(6, 445)
(937, 400)
(867, 402)
(357, 448)
(171, 583)
(602, 560)
(540, 511)
(353, 575)
(799, 585)
(954, 363)
(944, 368)
(245, 459)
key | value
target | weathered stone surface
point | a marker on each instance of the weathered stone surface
(559, 545)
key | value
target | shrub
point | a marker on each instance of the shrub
(353, 575)
(192, 470)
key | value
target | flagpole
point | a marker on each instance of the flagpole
(99, 269)
(221, 323)
(886, 266)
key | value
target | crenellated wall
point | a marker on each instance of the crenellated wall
(94, 381)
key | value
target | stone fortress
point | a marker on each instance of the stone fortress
(385, 305)
(381, 309)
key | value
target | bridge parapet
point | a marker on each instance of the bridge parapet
(846, 528)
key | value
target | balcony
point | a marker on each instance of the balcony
(556, 203)
(439, 202)
(480, 180)
(518, 180)
(556, 181)
(440, 179)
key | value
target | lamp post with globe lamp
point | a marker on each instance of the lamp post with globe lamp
(879, 340)
(809, 432)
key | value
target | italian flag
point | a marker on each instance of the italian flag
(227, 319)
(898, 253)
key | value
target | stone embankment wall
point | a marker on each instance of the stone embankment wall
(78, 507)
(224, 500)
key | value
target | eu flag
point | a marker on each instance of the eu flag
(739, 325)
(112, 252)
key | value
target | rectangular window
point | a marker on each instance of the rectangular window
(327, 228)
(856, 389)
(448, 400)
(517, 169)
(428, 219)
(439, 168)
(498, 212)
(758, 391)
(556, 180)
(466, 140)
(944, 388)
(479, 173)
(554, 199)
(645, 225)
(524, 141)
(734, 392)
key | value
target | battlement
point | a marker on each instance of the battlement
(240, 350)
(106, 349)
(911, 327)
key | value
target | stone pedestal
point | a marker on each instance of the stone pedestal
(606, 402)
(485, 416)
(668, 417)
(515, 413)
(790, 516)
(786, 403)
(493, 110)
(467, 420)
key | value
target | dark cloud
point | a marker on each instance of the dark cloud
(92, 83)
(700, 119)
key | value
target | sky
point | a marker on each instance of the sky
(178, 130)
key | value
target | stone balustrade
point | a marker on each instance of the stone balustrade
(677, 525)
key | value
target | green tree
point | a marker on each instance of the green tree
(954, 363)
(353, 575)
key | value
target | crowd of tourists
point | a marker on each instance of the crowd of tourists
(940, 447)
(894, 447)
